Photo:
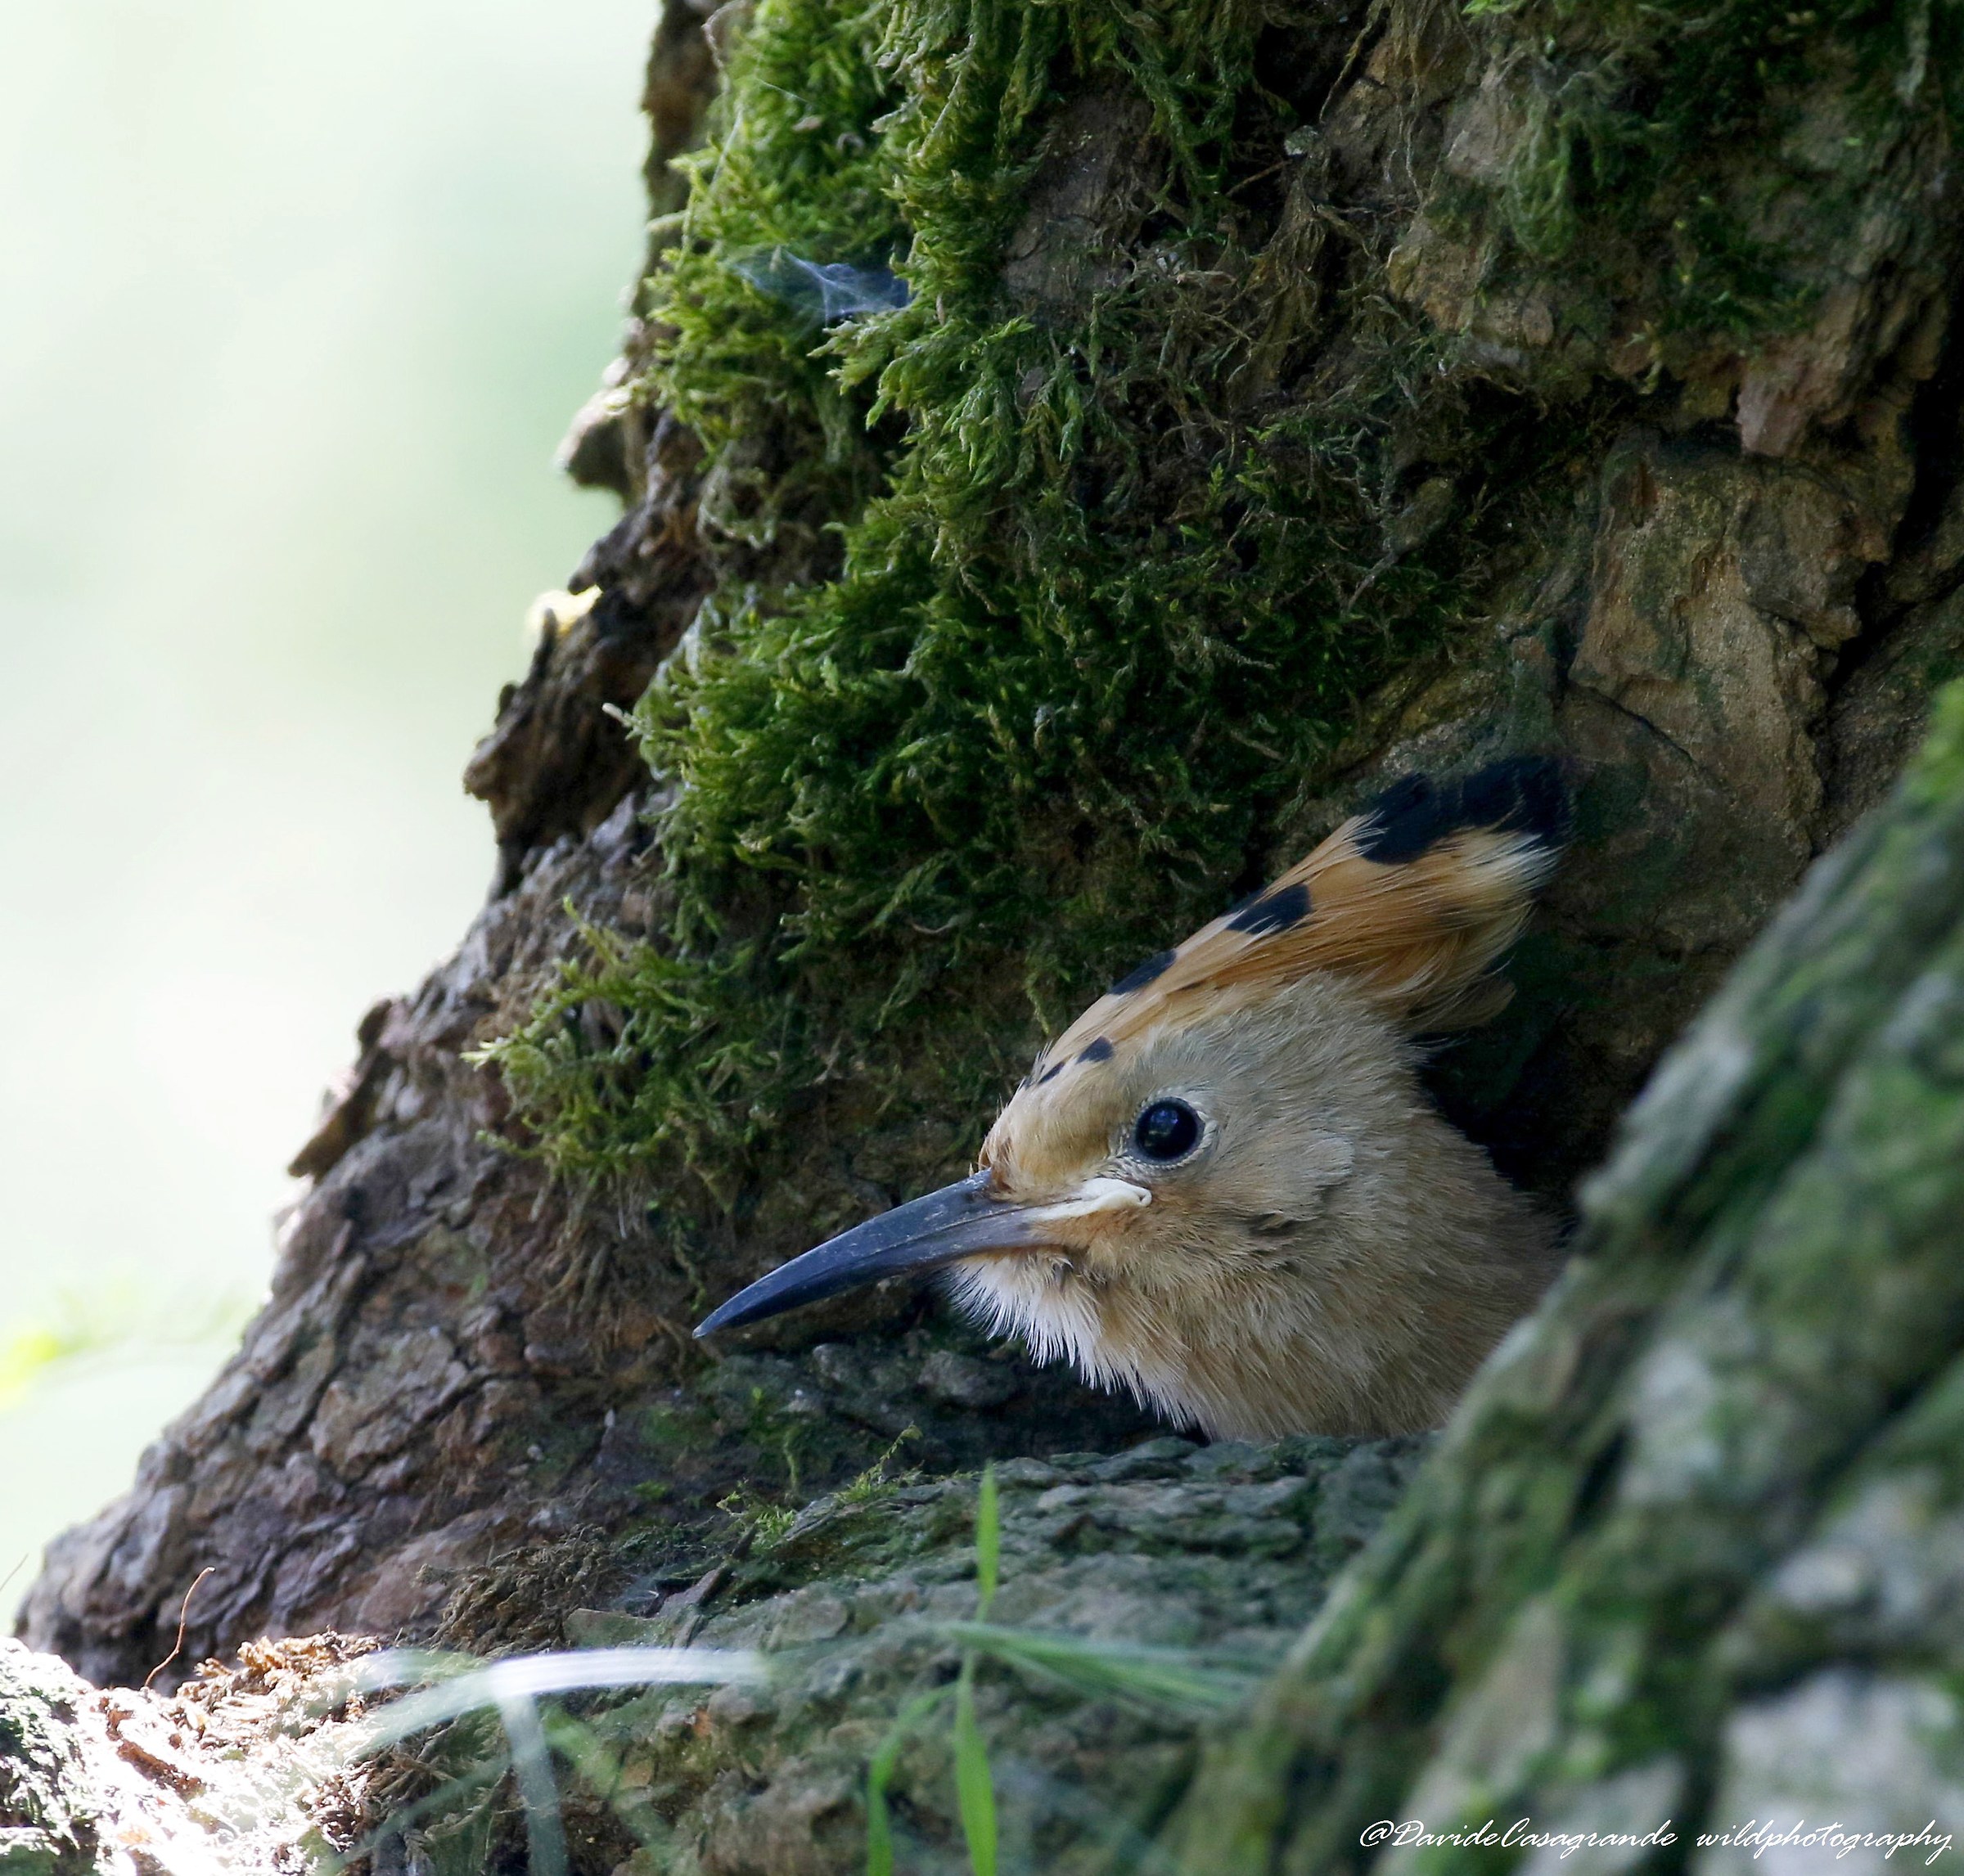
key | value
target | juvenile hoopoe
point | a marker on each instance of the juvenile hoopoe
(1222, 1186)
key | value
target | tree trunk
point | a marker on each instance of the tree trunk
(1280, 403)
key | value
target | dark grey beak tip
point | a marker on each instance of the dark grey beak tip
(922, 1235)
(728, 1316)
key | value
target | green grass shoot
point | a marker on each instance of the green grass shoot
(974, 1784)
(989, 1543)
(1174, 1683)
(879, 1774)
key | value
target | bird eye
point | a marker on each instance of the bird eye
(1166, 1131)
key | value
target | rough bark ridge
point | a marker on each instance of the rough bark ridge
(1369, 400)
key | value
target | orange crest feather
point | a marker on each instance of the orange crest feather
(1412, 902)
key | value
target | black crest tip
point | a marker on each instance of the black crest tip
(1274, 911)
(1527, 794)
(1141, 975)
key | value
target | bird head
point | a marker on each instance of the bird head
(1226, 1160)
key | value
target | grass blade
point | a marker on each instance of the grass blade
(464, 1685)
(879, 1774)
(512, 1686)
(988, 1542)
(1167, 1680)
(532, 1765)
(974, 1789)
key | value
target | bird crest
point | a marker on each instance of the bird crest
(1411, 901)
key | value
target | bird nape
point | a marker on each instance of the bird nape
(1222, 1186)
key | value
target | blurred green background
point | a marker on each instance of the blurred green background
(295, 303)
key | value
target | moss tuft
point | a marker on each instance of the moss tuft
(792, 166)
(637, 1055)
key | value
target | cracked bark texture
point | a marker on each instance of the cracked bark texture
(1733, 630)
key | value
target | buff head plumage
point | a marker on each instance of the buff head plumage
(1221, 1187)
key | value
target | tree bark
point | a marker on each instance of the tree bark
(1285, 404)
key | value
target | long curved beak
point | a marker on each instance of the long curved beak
(957, 1222)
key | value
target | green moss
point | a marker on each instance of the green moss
(758, 1523)
(878, 1481)
(793, 165)
(1629, 121)
(637, 1055)
(1112, 603)
(1039, 609)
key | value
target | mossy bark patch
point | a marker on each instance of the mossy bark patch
(1215, 1556)
(1110, 582)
